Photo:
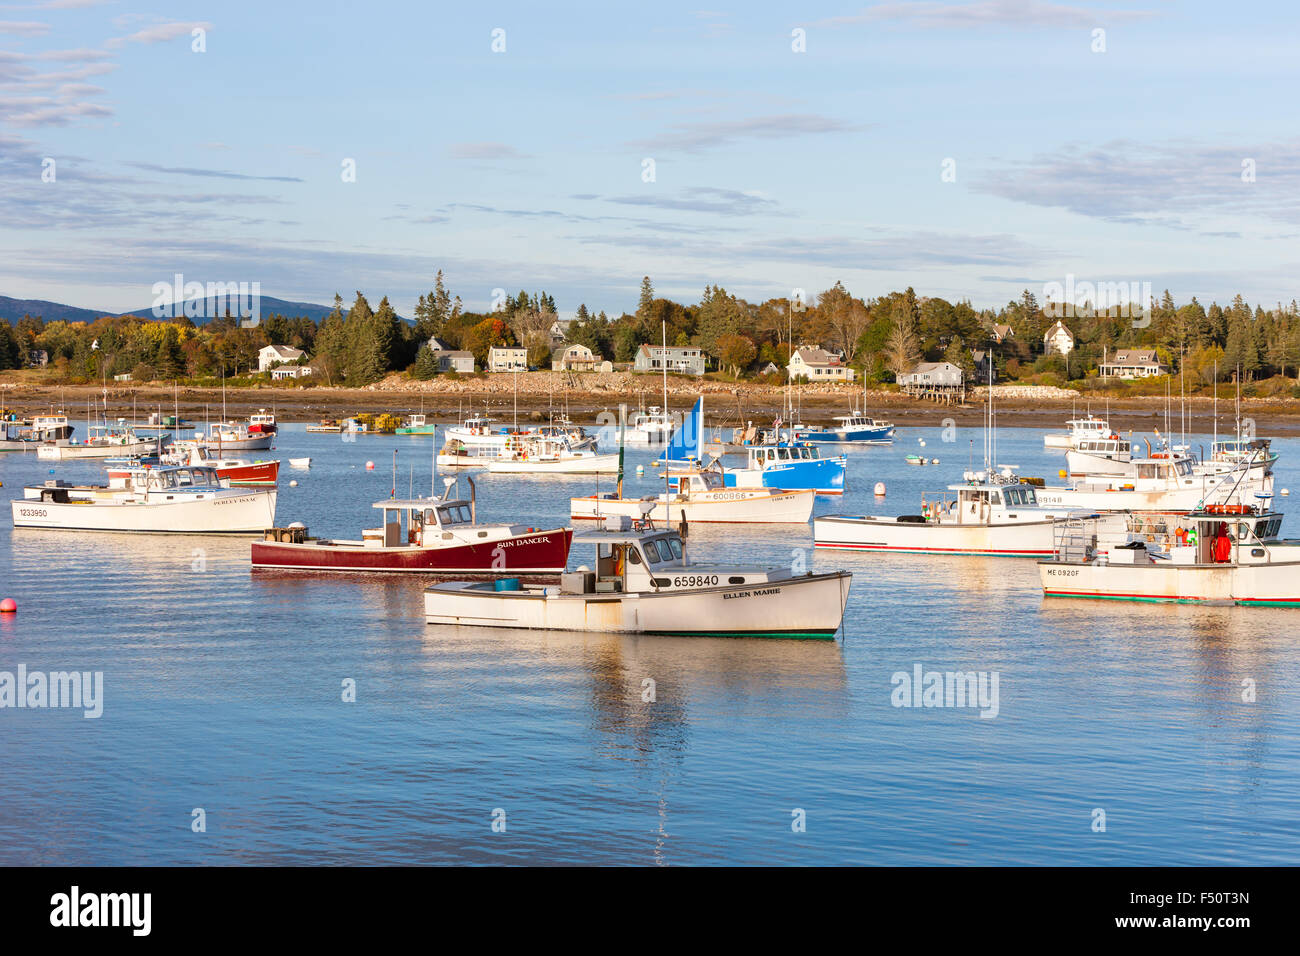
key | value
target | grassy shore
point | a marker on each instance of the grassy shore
(587, 395)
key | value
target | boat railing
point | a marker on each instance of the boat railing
(1074, 538)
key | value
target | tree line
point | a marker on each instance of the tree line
(881, 337)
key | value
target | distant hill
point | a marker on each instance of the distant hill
(14, 309)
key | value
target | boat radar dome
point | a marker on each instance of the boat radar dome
(647, 505)
(297, 524)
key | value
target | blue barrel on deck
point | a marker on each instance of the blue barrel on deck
(506, 584)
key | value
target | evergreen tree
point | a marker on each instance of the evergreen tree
(647, 298)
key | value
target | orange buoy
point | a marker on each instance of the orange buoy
(8, 606)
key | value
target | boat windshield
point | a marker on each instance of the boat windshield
(1020, 496)
(453, 514)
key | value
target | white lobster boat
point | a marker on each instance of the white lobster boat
(103, 441)
(182, 500)
(993, 517)
(644, 584)
(1101, 457)
(1224, 554)
(1157, 484)
(551, 456)
(1090, 428)
(478, 434)
(702, 496)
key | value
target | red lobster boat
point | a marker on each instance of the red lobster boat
(424, 536)
(239, 471)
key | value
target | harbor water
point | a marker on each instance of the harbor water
(284, 718)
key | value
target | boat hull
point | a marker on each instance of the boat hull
(541, 553)
(578, 465)
(726, 506)
(1020, 539)
(803, 607)
(1185, 497)
(65, 452)
(846, 436)
(259, 442)
(247, 513)
(825, 476)
(1263, 585)
(253, 474)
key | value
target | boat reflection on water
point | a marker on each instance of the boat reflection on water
(641, 686)
(60, 553)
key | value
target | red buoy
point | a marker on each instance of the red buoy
(8, 606)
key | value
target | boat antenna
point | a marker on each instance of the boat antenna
(622, 435)
(663, 331)
(433, 465)
(392, 492)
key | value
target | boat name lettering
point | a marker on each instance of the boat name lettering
(744, 594)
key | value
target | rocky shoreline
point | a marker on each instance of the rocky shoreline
(587, 394)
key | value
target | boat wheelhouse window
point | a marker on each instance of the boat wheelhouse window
(453, 514)
(676, 545)
(784, 454)
(651, 552)
(1183, 466)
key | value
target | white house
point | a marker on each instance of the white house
(457, 361)
(686, 359)
(559, 331)
(933, 375)
(1058, 339)
(1131, 363)
(507, 359)
(575, 358)
(818, 365)
(270, 354)
(290, 371)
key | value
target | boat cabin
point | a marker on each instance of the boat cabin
(1241, 450)
(1218, 534)
(763, 457)
(1090, 427)
(1170, 470)
(419, 522)
(857, 420)
(1119, 449)
(978, 502)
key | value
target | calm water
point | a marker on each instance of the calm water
(223, 691)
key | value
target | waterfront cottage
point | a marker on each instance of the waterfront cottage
(1132, 363)
(574, 358)
(507, 359)
(1058, 339)
(272, 354)
(818, 365)
(685, 360)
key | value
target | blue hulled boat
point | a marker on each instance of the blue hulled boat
(853, 429)
(792, 466)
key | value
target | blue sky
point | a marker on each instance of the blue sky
(774, 170)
